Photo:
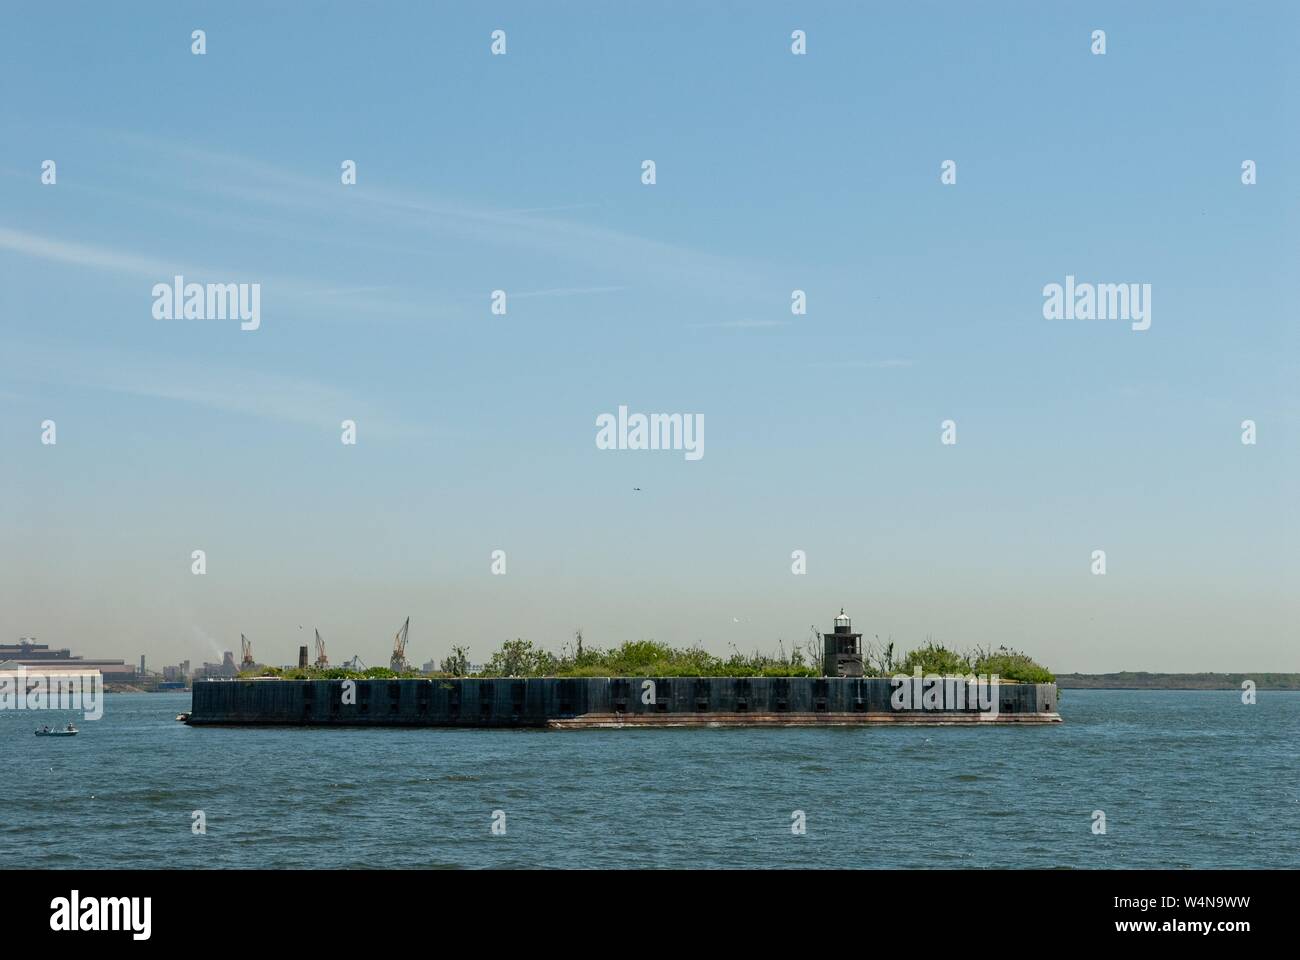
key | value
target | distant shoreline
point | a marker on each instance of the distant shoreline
(1128, 680)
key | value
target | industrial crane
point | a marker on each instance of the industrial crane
(247, 662)
(322, 661)
(398, 662)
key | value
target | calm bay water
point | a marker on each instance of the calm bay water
(1186, 779)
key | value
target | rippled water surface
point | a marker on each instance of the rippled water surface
(1186, 779)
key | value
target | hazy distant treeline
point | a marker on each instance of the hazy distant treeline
(1129, 680)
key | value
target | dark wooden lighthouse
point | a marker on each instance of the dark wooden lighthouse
(842, 649)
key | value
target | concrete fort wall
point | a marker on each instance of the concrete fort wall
(588, 701)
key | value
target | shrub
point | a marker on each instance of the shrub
(935, 658)
(1012, 665)
(519, 658)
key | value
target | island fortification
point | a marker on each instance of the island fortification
(843, 696)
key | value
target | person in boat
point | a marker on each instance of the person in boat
(45, 729)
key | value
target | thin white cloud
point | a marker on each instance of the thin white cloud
(350, 291)
(157, 270)
(745, 324)
(296, 400)
(563, 207)
(601, 248)
(862, 364)
(82, 255)
(564, 292)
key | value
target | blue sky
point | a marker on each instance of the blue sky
(774, 172)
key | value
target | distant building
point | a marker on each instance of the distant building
(38, 656)
(225, 669)
(177, 674)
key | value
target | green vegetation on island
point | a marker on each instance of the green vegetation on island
(650, 658)
(1008, 664)
(639, 658)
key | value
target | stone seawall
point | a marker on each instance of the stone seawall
(599, 702)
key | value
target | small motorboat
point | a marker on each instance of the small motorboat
(182, 718)
(68, 731)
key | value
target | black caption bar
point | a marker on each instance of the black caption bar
(134, 909)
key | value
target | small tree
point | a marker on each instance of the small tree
(1011, 664)
(457, 664)
(879, 657)
(519, 658)
(936, 658)
(814, 651)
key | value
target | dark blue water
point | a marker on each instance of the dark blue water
(1186, 779)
